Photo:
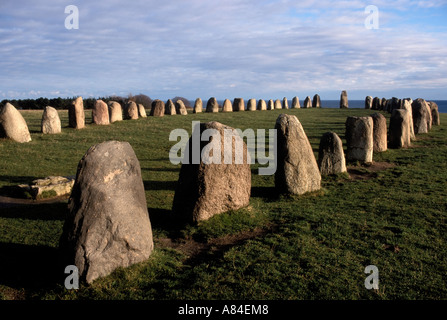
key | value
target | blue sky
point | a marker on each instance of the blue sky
(226, 49)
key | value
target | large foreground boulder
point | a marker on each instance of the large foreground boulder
(12, 124)
(380, 133)
(422, 119)
(217, 182)
(100, 113)
(344, 100)
(400, 135)
(115, 111)
(108, 225)
(157, 108)
(51, 123)
(76, 114)
(297, 169)
(331, 158)
(359, 139)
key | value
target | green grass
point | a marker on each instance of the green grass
(314, 246)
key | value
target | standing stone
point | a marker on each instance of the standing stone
(297, 170)
(108, 225)
(261, 105)
(307, 103)
(406, 105)
(76, 115)
(115, 111)
(421, 116)
(100, 113)
(157, 108)
(344, 100)
(180, 108)
(383, 104)
(131, 111)
(238, 104)
(12, 124)
(316, 102)
(278, 104)
(285, 103)
(359, 138)
(198, 106)
(380, 131)
(213, 185)
(376, 104)
(400, 129)
(436, 121)
(51, 123)
(227, 106)
(141, 111)
(212, 105)
(331, 158)
(296, 103)
(251, 105)
(271, 105)
(170, 108)
(392, 104)
(368, 102)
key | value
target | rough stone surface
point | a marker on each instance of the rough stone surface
(157, 108)
(406, 105)
(51, 123)
(285, 103)
(12, 124)
(421, 116)
(198, 106)
(331, 157)
(238, 104)
(307, 102)
(316, 101)
(359, 139)
(100, 113)
(368, 102)
(344, 100)
(251, 105)
(271, 105)
(142, 111)
(400, 136)
(261, 105)
(180, 108)
(170, 108)
(383, 104)
(131, 111)
(278, 104)
(212, 105)
(380, 133)
(108, 224)
(115, 111)
(204, 190)
(76, 115)
(52, 186)
(227, 106)
(296, 103)
(393, 103)
(376, 104)
(436, 121)
(297, 169)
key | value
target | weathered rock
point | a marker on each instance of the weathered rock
(331, 158)
(436, 121)
(271, 105)
(278, 104)
(261, 105)
(368, 102)
(142, 111)
(383, 104)
(157, 108)
(297, 169)
(359, 139)
(212, 105)
(76, 114)
(52, 186)
(380, 143)
(400, 136)
(307, 103)
(115, 111)
(12, 124)
(131, 111)
(100, 113)
(285, 103)
(391, 104)
(180, 108)
(296, 103)
(198, 106)
(344, 100)
(406, 105)
(316, 101)
(227, 106)
(421, 116)
(108, 224)
(51, 123)
(238, 104)
(208, 188)
(251, 105)
(376, 104)
(170, 108)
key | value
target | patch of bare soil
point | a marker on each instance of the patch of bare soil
(366, 172)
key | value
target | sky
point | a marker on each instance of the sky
(262, 49)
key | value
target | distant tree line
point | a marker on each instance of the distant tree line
(64, 103)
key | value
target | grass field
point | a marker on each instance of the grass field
(314, 246)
